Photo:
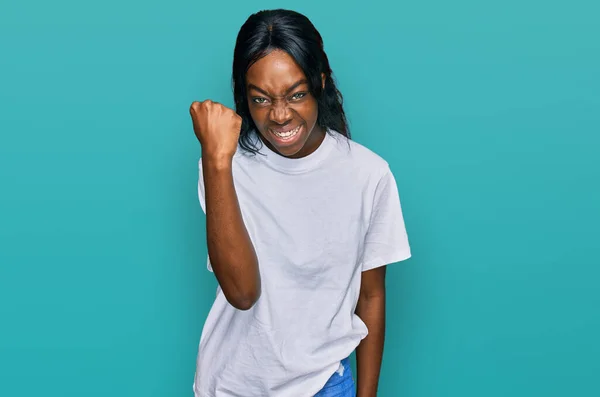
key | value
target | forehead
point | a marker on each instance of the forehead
(274, 72)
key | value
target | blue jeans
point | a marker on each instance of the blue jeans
(340, 385)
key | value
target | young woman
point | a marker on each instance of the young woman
(300, 221)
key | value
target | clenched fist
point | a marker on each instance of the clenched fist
(217, 128)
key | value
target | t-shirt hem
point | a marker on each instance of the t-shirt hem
(398, 256)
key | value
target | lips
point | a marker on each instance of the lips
(287, 134)
(283, 131)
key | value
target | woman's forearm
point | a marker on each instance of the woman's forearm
(369, 353)
(230, 249)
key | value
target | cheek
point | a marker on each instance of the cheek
(309, 111)
(258, 115)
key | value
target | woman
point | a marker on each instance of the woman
(300, 223)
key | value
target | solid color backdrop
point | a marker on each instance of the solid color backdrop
(487, 112)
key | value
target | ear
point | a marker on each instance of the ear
(323, 80)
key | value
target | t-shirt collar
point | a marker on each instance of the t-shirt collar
(296, 165)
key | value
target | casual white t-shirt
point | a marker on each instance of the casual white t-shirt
(316, 224)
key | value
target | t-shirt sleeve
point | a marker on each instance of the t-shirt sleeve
(386, 240)
(202, 203)
(201, 187)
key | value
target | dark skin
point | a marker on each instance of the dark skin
(279, 100)
(371, 309)
(230, 249)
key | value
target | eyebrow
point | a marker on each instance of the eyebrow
(292, 87)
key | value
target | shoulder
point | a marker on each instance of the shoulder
(359, 158)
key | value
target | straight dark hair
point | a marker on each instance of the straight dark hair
(295, 34)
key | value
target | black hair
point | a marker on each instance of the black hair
(295, 34)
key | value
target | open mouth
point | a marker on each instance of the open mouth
(286, 135)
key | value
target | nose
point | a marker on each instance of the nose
(280, 113)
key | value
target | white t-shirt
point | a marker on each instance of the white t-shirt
(316, 224)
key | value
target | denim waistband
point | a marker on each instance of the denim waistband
(342, 376)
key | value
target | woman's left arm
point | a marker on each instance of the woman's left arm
(371, 310)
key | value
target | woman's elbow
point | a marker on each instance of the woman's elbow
(245, 301)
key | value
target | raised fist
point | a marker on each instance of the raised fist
(217, 127)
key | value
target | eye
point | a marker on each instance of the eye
(298, 95)
(259, 100)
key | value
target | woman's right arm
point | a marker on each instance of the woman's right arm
(230, 249)
(232, 255)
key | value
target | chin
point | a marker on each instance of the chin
(288, 150)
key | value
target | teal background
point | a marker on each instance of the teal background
(489, 114)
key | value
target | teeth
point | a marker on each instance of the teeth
(288, 134)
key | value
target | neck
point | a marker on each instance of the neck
(312, 143)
